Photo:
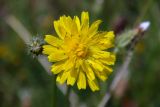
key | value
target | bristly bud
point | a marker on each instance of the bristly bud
(35, 46)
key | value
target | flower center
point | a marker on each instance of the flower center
(74, 47)
(81, 51)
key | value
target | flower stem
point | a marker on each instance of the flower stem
(54, 100)
(67, 96)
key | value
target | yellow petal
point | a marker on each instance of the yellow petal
(58, 67)
(61, 32)
(77, 21)
(72, 76)
(84, 20)
(48, 49)
(81, 83)
(103, 40)
(104, 57)
(57, 56)
(54, 41)
(78, 63)
(101, 54)
(73, 26)
(94, 27)
(107, 41)
(109, 61)
(96, 64)
(66, 22)
(69, 25)
(105, 44)
(88, 70)
(110, 35)
(69, 64)
(62, 77)
(93, 85)
(101, 75)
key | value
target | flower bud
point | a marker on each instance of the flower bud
(35, 46)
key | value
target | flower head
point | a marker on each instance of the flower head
(79, 52)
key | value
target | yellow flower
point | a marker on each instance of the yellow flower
(79, 52)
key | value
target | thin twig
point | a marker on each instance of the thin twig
(17, 26)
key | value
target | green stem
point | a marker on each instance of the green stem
(67, 96)
(54, 100)
(68, 92)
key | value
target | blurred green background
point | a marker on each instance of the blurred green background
(24, 82)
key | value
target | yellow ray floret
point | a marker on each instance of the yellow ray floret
(79, 51)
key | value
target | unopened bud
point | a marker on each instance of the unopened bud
(35, 46)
